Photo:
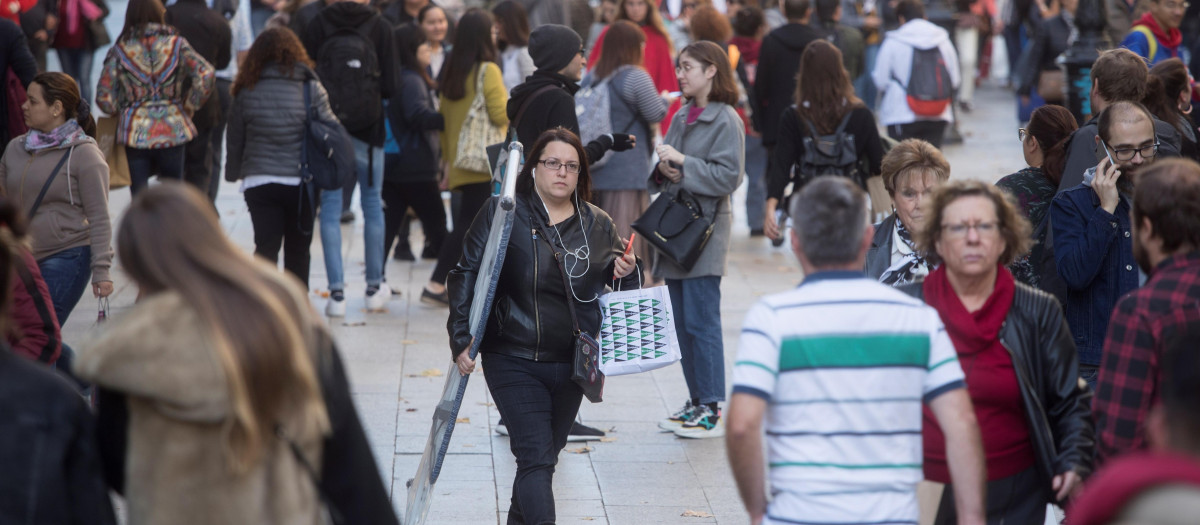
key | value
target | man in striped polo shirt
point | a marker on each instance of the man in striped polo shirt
(838, 370)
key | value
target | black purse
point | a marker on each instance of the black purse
(585, 370)
(677, 227)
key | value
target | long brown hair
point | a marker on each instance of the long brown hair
(824, 93)
(473, 47)
(622, 46)
(514, 23)
(709, 24)
(261, 326)
(141, 12)
(583, 188)
(724, 89)
(1166, 82)
(59, 87)
(1051, 126)
(653, 19)
(277, 46)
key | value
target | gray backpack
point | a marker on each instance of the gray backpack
(833, 154)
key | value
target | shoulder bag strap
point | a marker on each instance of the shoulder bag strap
(306, 183)
(46, 187)
(334, 515)
(39, 303)
(845, 121)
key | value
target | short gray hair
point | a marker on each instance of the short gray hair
(830, 217)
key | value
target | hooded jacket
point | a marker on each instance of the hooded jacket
(548, 109)
(74, 211)
(778, 62)
(363, 18)
(37, 335)
(894, 65)
(1166, 44)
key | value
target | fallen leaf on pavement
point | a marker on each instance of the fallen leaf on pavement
(466, 420)
(588, 519)
(323, 293)
(410, 410)
(607, 439)
(432, 372)
(468, 445)
(408, 342)
(696, 514)
(580, 450)
(354, 323)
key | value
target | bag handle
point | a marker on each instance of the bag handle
(306, 176)
(37, 203)
(679, 199)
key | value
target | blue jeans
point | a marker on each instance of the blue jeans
(67, 274)
(537, 402)
(697, 306)
(370, 186)
(756, 182)
(167, 163)
(77, 63)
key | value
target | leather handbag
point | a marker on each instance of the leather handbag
(585, 369)
(677, 227)
(1052, 85)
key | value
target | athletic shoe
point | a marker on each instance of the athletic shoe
(582, 432)
(336, 307)
(677, 419)
(347, 217)
(501, 428)
(704, 423)
(404, 253)
(377, 301)
(440, 300)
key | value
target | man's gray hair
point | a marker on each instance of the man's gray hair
(829, 215)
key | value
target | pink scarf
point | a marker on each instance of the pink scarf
(72, 9)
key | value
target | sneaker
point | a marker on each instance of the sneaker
(582, 432)
(704, 423)
(347, 217)
(404, 253)
(677, 419)
(440, 300)
(757, 232)
(377, 300)
(336, 307)
(501, 428)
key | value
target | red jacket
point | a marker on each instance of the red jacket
(36, 334)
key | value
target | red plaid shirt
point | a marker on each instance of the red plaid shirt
(1142, 323)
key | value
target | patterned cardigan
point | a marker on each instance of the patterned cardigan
(153, 79)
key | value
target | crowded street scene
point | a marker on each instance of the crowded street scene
(814, 262)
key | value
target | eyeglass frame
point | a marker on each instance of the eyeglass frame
(982, 228)
(1116, 153)
(561, 164)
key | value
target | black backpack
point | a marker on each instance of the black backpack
(833, 154)
(349, 70)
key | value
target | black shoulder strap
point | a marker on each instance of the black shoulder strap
(845, 120)
(512, 128)
(39, 303)
(46, 187)
(334, 515)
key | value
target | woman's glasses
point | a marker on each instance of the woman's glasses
(554, 164)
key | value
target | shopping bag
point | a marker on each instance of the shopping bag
(114, 152)
(638, 331)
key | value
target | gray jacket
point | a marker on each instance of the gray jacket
(879, 255)
(266, 123)
(631, 111)
(715, 147)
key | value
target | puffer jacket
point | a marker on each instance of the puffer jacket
(529, 317)
(266, 123)
(153, 79)
(1057, 402)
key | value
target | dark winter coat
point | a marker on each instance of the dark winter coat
(550, 109)
(17, 56)
(775, 81)
(1050, 41)
(210, 35)
(266, 123)
(37, 334)
(414, 124)
(789, 148)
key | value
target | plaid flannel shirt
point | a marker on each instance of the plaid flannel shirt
(1142, 324)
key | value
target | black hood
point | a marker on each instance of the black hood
(532, 84)
(347, 14)
(797, 36)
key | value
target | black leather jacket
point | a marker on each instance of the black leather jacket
(1057, 402)
(530, 318)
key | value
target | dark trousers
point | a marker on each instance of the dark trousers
(217, 138)
(425, 199)
(167, 163)
(931, 131)
(538, 402)
(473, 197)
(282, 217)
(198, 160)
(1017, 499)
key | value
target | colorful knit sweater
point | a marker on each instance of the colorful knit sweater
(153, 79)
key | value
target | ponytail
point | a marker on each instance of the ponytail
(83, 115)
(1052, 127)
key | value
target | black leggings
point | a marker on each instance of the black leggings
(1015, 500)
(473, 197)
(425, 199)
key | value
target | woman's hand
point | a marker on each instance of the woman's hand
(466, 365)
(668, 153)
(624, 265)
(102, 288)
(670, 173)
(770, 228)
(1066, 485)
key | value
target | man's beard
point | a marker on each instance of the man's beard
(1128, 175)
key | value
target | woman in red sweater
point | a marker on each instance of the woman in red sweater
(658, 62)
(1016, 352)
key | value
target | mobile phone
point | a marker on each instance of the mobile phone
(1108, 154)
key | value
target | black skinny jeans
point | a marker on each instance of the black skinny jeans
(538, 402)
(426, 199)
(281, 219)
(167, 163)
(473, 197)
(1014, 500)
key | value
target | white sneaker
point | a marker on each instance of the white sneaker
(335, 308)
(378, 301)
(704, 423)
(677, 419)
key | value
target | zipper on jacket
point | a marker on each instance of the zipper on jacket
(537, 314)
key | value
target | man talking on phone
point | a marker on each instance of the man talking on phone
(1093, 246)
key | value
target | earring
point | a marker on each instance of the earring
(1187, 111)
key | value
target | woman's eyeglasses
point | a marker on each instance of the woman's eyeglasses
(555, 164)
(1022, 133)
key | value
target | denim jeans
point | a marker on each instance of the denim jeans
(77, 63)
(1089, 373)
(538, 402)
(67, 274)
(697, 306)
(167, 163)
(756, 182)
(370, 186)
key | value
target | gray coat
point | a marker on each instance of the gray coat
(715, 147)
(266, 123)
(626, 170)
(879, 256)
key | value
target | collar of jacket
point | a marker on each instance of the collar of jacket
(539, 209)
(708, 115)
(298, 72)
(567, 84)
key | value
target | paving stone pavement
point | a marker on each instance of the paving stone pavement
(397, 359)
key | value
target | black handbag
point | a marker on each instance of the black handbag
(677, 227)
(585, 370)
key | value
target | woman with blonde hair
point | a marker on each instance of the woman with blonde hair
(210, 402)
